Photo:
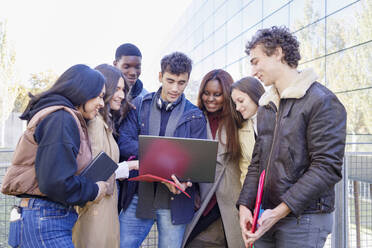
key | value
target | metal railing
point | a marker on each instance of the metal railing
(357, 202)
(6, 203)
(352, 218)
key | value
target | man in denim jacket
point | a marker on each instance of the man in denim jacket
(163, 113)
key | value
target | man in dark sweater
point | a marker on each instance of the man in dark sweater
(128, 59)
(163, 113)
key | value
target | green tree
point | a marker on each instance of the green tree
(8, 81)
(348, 72)
(42, 80)
(21, 100)
(39, 82)
(351, 70)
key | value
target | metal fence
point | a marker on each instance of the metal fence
(6, 203)
(359, 201)
(352, 218)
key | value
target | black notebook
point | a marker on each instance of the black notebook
(100, 168)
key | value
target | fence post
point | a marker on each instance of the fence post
(357, 211)
(340, 231)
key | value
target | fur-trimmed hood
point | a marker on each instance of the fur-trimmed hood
(297, 89)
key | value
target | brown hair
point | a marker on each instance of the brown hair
(112, 76)
(226, 120)
(253, 88)
(274, 37)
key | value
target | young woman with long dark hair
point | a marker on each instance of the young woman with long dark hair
(245, 95)
(216, 223)
(49, 157)
(98, 224)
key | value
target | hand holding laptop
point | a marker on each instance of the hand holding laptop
(191, 160)
(173, 188)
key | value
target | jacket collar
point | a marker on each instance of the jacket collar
(103, 121)
(136, 89)
(297, 89)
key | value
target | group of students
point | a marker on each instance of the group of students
(295, 131)
(195, 221)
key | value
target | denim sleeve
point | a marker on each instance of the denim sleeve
(198, 128)
(59, 141)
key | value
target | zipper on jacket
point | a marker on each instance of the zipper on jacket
(277, 114)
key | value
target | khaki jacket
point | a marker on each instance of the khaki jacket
(227, 188)
(246, 140)
(98, 223)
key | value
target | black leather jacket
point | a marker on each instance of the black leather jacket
(301, 146)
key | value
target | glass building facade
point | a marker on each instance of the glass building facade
(335, 40)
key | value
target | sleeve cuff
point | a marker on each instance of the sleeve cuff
(122, 171)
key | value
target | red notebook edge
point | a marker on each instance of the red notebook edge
(258, 201)
(153, 178)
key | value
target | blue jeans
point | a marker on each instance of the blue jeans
(307, 231)
(43, 224)
(134, 230)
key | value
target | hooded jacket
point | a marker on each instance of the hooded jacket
(57, 161)
(301, 143)
(59, 139)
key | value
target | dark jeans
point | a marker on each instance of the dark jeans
(308, 231)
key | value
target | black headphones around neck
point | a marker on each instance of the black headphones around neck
(160, 103)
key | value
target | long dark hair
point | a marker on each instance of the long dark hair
(78, 84)
(253, 88)
(226, 120)
(112, 75)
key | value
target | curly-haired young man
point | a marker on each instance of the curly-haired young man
(300, 144)
(163, 113)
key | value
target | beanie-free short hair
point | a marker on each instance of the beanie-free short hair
(127, 49)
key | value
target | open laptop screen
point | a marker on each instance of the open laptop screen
(189, 159)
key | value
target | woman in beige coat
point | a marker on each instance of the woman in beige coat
(216, 222)
(98, 224)
(245, 94)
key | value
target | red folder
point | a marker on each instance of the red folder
(153, 178)
(258, 201)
